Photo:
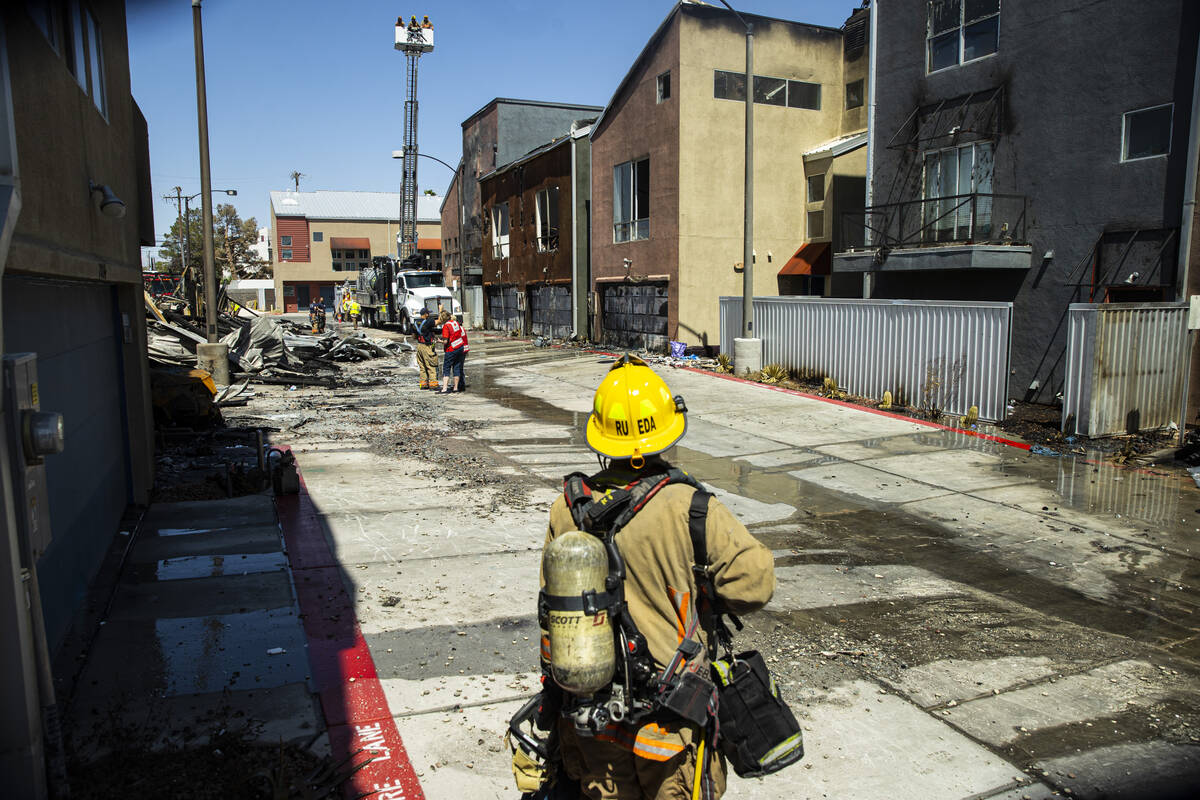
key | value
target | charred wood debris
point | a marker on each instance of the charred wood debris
(264, 349)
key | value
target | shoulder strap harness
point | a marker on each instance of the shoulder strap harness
(639, 687)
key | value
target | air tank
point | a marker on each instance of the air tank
(582, 653)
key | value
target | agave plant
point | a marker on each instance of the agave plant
(724, 363)
(773, 373)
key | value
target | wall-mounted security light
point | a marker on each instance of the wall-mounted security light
(110, 204)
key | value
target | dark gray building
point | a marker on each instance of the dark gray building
(495, 135)
(1031, 151)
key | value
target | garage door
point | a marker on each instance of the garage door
(551, 311)
(503, 314)
(635, 315)
(79, 375)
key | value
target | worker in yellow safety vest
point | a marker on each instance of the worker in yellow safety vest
(354, 312)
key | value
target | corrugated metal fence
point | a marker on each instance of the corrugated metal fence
(1125, 367)
(949, 355)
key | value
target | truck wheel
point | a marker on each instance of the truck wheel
(405, 326)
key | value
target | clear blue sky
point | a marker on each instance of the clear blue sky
(315, 85)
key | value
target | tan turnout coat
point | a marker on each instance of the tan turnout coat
(660, 588)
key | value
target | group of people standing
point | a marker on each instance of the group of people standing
(454, 352)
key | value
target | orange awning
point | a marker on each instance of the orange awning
(429, 244)
(811, 259)
(350, 243)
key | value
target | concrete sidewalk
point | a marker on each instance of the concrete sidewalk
(203, 632)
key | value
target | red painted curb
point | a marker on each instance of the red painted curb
(360, 726)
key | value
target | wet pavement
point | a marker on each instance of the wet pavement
(202, 634)
(954, 617)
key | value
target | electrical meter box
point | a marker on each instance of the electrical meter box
(32, 435)
(412, 37)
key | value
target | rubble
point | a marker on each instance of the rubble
(266, 349)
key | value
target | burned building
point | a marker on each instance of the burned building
(535, 267)
(1028, 152)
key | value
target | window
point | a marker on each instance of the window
(45, 14)
(337, 266)
(816, 224)
(816, 188)
(631, 200)
(75, 60)
(318, 236)
(362, 265)
(804, 95)
(500, 231)
(285, 255)
(729, 85)
(954, 177)
(363, 254)
(547, 219)
(959, 31)
(96, 63)
(285, 241)
(1147, 133)
(664, 86)
(854, 94)
(767, 91)
(770, 91)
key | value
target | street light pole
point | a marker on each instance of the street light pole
(210, 275)
(750, 349)
(212, 355)
(462, 213)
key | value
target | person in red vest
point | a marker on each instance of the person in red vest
(454, 339)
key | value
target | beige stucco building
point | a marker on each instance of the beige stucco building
(668, 169)
(320, 240)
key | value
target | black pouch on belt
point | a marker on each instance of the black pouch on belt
(758, 732)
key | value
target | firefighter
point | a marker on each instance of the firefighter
(634, 421)
(427, 360)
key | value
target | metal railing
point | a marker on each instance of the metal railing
(958, 219)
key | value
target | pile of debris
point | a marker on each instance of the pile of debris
(264, 349)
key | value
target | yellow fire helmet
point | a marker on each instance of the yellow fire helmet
(633, 413)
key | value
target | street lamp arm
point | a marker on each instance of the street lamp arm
(426, 155)
(739, 16)
(443, 163)
(230, 192)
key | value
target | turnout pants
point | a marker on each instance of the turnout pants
(427, 363)
(607, 771)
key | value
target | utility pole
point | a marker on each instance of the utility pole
(213, 356)
(412, 40)
(178, 198)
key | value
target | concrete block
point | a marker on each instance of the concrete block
(821, 585)
(1095, 694)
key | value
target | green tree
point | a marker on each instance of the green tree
(233, 240)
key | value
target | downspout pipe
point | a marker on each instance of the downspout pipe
(574, 231)
(1186, 232)
(872, 69)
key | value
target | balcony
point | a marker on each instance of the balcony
(966, 231)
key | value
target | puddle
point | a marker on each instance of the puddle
(182, 531)
(209, 566)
